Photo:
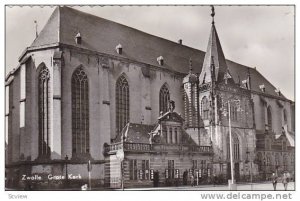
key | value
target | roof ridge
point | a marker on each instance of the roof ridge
(135, 29)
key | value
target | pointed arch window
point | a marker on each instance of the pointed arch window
(122, 103)
(277, 160)
(164, 98)
(269, 116)
(44, 111)
(268, 160)
(235, 146)
(80, 112)
(205, 108)
(259, 161)
(234, 112)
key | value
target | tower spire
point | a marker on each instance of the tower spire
(214, 56)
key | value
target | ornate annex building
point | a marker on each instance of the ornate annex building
(89, 89)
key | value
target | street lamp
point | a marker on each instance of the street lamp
(232, 184)
(66, 163)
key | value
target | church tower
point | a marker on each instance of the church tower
(214, 72)
(191, 104)
(225, 109)
(191, 109)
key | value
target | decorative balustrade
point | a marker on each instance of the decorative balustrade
(141, 147)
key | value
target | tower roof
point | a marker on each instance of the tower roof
(191, 77)
(214, 64)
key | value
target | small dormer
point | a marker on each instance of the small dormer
(119, 48)
(160, 60)
(278, 92)
(227, 77)
(262, 88)
(78, 38)
(245, 84)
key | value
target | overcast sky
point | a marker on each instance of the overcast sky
(256, 36)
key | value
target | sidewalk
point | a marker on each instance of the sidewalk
(263, 186)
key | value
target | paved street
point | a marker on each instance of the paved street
(240, 187)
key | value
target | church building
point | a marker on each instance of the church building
(95, 99)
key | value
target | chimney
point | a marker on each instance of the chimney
(180, 41)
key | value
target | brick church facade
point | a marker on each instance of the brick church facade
(88, 89)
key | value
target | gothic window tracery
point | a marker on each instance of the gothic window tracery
(235, 147)
(44, 111)
(164, 99)
(122, 103)
(80, 112)
(205, 108)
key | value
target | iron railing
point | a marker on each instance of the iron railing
(143, 147)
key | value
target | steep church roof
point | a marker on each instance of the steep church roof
(102, 36)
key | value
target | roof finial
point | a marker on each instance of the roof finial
(36, 27)
(212, 14)
(191, 65)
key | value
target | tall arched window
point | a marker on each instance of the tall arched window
(164, 98)
(284, 117)
(80, 112)
(122, 103)
(44, 111)
(285, 161)
(259, 158)
(277, 160)
(233, 112)
(269, 115)
(268, 160)
(235, 146)
(205, 108)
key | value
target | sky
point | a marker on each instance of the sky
(255, 36)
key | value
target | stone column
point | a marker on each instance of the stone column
(22, 111)
(105, 94)
(167, 135)
(55, 143)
